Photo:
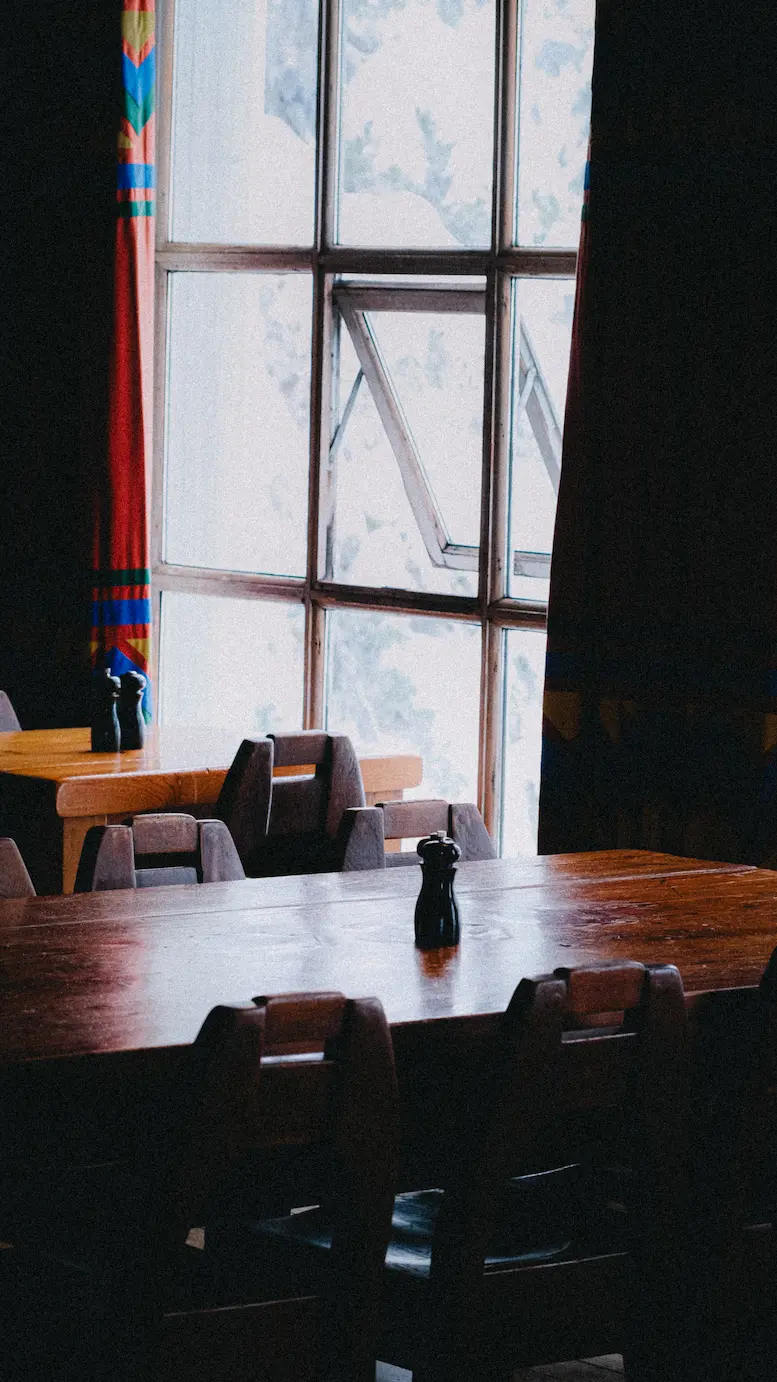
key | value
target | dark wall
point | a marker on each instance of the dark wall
(57, 231)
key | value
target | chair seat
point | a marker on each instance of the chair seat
(71, 1223)
(550, 1216)
(68, 1268)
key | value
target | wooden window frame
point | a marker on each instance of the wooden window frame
(492, 609)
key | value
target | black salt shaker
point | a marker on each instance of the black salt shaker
(131, 722)
(106, 736)
(436, 911)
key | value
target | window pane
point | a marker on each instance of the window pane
(524, 680)
(540, 365)
(436, 364)
(417, 123)
(244, 122)
(230, 662)
(556, 55)
(404, 684)
(238, 421)
(402, 497)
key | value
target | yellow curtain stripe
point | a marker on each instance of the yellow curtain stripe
(137, 27)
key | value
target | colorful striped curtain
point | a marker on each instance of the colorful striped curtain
(121, 611)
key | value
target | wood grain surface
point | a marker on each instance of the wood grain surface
(54, 788)
(173, 760)
(137, 971)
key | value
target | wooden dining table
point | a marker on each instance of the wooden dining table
(53, 788)
(102, 992)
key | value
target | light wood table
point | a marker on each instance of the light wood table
(53, 788)
(100, 992)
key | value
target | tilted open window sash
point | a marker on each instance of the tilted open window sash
(355, 304)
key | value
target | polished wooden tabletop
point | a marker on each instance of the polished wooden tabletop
(54, 788)
(137, 971)
(189, 763)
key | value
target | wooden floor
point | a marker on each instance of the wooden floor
(607, 1369)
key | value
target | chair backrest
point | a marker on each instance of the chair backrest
(407, 820)
(14, 878)
(590, 1067)
(244, 800)
(290, 823)
(155, 850)
(303, 1070)
(733, 1169)
(8, 717)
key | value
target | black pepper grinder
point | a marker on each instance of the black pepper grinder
(106, 736)
(131, 722)
(436, 911)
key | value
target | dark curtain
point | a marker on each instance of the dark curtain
(661, 694)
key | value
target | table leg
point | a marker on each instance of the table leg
(74, 829)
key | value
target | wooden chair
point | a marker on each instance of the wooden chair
(156, 850)
(291, 824)
(8, 717)
(306, 1071)
(406, 820)
(498, 1269)
(14, 878)
(363, 832)
(732, 1266)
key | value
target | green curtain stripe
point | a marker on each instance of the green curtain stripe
(129, 209)
(130, 575)
(138, 113)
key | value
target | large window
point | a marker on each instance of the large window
(368, 222)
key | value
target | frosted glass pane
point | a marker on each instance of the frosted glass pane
(405, 684)
(557, 44)
(374, 536)
(524, 680)
(417, 123)
(545, 308)
(435, 361)
(238, 422)
(244, 121)
(232, 663)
